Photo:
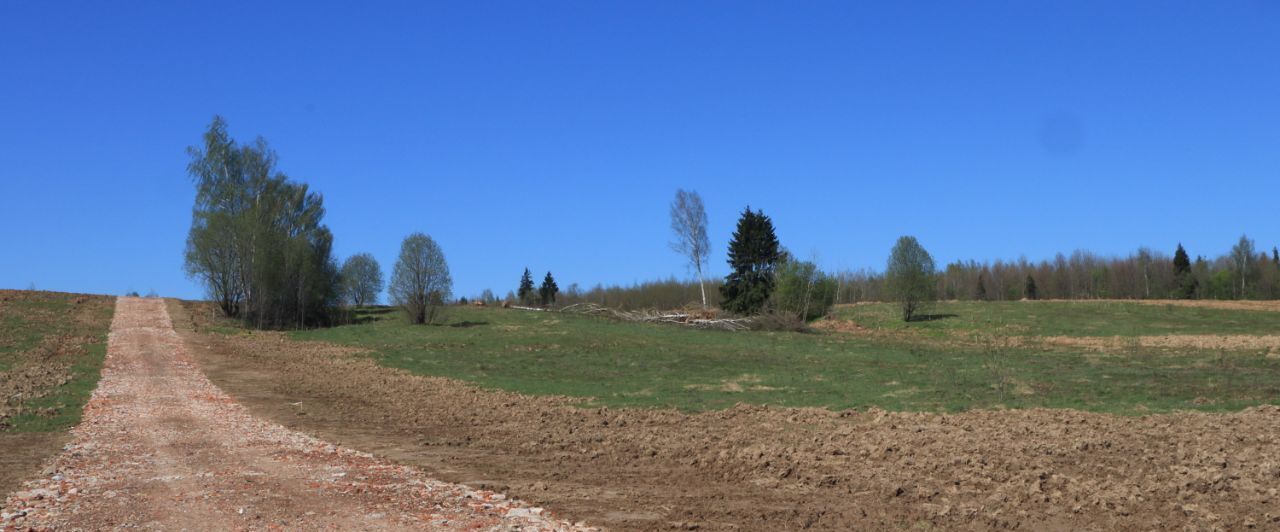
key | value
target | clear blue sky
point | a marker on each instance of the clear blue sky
(554, 134)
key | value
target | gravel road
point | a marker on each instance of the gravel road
(160, 447)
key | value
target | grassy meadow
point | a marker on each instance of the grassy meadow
(1075, 318)
(970, 355)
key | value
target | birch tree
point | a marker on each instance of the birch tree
(257, 239)
(1241, 255)
(689, 223)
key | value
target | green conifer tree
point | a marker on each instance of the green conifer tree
(525, 292)
(547, 292)
(1181, 262)
(753, 256)
(1183, 279)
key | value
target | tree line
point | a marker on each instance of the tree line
(764, 278)
(1241, 273)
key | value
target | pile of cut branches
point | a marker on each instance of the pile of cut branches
(696, 320)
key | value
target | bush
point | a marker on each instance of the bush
(803, 291)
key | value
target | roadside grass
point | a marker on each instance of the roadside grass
(28, 319)
(1066, 318)
(642, 365)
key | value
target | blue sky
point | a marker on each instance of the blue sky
(554, 134)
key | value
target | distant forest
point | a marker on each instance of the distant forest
(1242, 273)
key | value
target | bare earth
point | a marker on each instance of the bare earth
(765, 468)
(160, 447)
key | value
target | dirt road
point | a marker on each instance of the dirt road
(160, 447)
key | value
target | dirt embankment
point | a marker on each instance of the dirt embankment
(752, 467)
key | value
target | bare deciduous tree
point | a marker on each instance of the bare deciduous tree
(689, 222)
(420, 282)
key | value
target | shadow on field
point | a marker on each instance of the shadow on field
(465, 324)
(364, 315)
(933, 317)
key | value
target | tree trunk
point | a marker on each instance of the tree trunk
(703, 287)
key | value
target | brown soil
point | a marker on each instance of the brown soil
(754, 467)
(22, 453)
(1265, 344)
(162, 448)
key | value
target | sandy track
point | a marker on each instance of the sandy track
(160, 447)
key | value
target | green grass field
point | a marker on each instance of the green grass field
(1068, 318)
(27, 320)
(911, 367)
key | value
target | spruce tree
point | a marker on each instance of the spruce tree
(526, 287)
(1030, 291)
(547, 292)
(1181, 262)
(753, 256)
(1183, 276)
(982, 289)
